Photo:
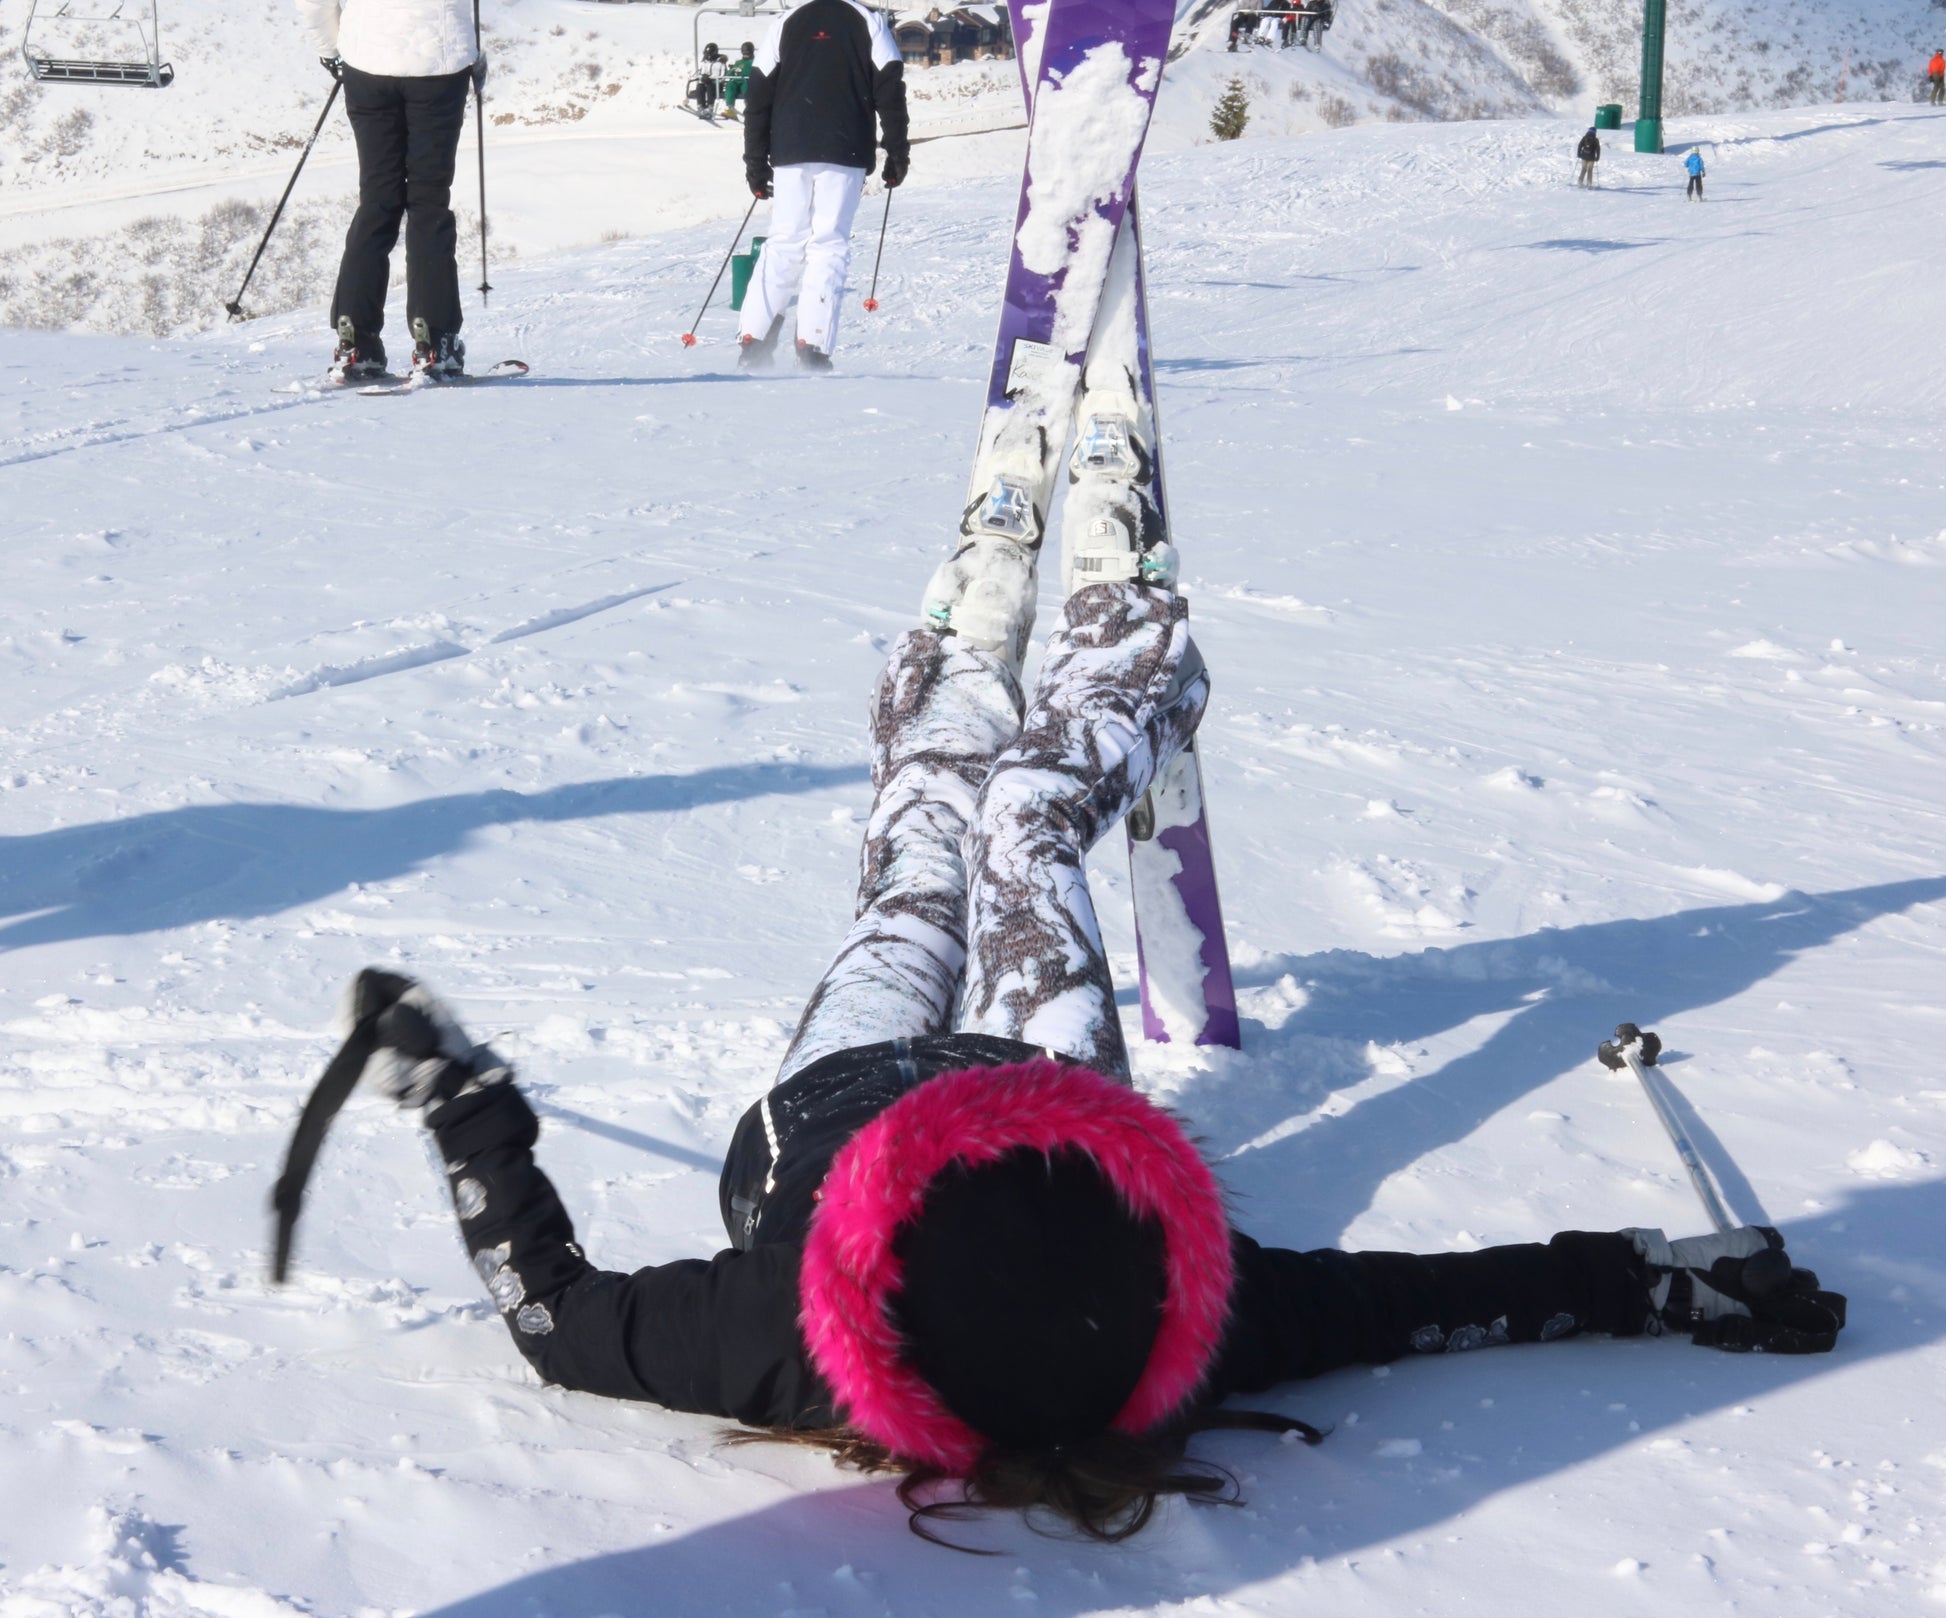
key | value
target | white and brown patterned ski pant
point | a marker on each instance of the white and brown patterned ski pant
(980, 825)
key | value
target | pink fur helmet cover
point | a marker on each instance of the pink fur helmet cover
(878, 1182)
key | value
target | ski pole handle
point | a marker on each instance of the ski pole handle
(871, 298)
(1631, 1048)
(235, 305)
(689, 337)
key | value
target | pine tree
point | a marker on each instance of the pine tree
(1232, 112)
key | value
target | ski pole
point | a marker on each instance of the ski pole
(689, 337)
(871, 298)
(479, 132)
(235, 305)
(1637, 1051)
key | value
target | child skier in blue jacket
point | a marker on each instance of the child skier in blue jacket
(1694, 163)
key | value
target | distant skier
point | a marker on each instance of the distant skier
(406, 67)
(736, 82)
(1694, 163)
(1589, 151)
(961, 1245)
(1936, 72)
(826, 74)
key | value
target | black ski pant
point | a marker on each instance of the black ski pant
(407, 130)
(1695, 186)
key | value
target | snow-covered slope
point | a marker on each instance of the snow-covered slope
(1505, 58)
(1571, 565)
(138, 211)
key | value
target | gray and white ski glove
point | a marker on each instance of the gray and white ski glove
(1737, 1290)
(423, 1056)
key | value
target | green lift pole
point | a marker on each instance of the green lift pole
(1648, 121)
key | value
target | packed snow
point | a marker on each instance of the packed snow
(1571, 567)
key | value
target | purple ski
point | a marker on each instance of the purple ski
(1096, 66)
(1116, 512)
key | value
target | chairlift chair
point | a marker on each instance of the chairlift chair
(93, 25)
(692, 93)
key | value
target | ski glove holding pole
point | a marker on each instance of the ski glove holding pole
(897, 165)
(335, 66)
(1738, 1291)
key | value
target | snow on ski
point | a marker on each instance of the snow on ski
(1182, 954)
(1099, 67)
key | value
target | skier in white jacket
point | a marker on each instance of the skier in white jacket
(406, 66)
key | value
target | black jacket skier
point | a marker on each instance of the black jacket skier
(822, 85)
(1589, 151)
(956, 1253)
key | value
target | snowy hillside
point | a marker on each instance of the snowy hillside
(137, 211)
(1572, 567)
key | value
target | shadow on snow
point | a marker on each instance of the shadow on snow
(178, 867)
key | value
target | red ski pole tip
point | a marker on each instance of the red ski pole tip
(689, 339)
(871, 303)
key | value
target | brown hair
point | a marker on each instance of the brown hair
(1103, 1488)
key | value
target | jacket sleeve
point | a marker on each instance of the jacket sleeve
(321, 18)
(1302, 1314)
(757, 103)
(888, 89)
(716, 1336)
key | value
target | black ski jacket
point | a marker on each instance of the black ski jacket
(825, 71)
(1589, 151)
(720, 1336)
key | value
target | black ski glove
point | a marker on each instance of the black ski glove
(759, 176)
(479, 72)
(1737, 1291)
(423, 1057)
(896, 166)
(334, 65)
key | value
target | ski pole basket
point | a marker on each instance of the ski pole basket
(96, 42)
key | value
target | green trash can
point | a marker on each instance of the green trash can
(742, 266)
(1609, 115)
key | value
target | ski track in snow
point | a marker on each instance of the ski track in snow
(1570, 566)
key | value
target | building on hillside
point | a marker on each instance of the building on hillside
(938, 35)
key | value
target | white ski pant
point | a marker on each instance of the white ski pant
(807, 251)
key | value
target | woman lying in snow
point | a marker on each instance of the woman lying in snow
(961, 1245)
